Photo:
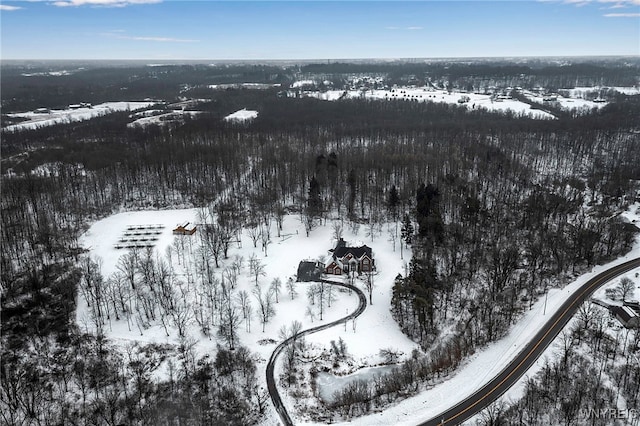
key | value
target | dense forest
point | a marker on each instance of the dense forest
(496, 207)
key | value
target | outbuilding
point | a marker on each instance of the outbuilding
(185, 229)
(627, 316)
(309, 271)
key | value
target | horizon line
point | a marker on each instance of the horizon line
(417, 58)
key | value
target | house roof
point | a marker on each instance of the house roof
(308, 270)
(185, 225)
(342, 250)
(336, 262)
(631, 303)
(357, 252)
(625, 313)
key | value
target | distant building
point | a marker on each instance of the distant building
(626, 315)
(309, 271)
(184, 229)
(350, 259)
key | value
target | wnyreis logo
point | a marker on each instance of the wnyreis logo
(610, 413)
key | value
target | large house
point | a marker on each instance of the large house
(350, 259)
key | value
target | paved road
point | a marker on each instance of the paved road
(271, 382)
(519, 366)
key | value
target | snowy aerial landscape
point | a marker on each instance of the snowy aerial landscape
(375, 331)
(310, 213)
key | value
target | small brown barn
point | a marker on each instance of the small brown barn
(185, 229)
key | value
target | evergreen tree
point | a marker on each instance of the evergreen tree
(407, 229)
(428, 212)
(314, 202)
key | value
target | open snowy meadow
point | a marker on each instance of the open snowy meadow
(471, 101)
(573, 99)
(36, 119)
(375, 329)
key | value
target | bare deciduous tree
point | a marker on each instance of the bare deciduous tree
(625, 288)
(291, 288)
(266, 311)
(256, 268)
(276, 287)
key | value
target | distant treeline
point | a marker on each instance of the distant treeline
(481, 69)
(37, 89)
(96, 85)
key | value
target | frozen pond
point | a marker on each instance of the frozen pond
(328, 383)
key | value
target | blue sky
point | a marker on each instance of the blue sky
(170, 29)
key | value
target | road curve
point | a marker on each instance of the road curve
(525, 359)
(271, 382)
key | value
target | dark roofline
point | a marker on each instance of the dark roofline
(623, 313)
(358, 252)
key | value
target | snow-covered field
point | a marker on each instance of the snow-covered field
(51, 73)
(302, 83)
(161, 118)
(421, 94)
(567, 103)
(242, 115)
(570, 100)
(250, 86)
(375, 329)
(582, 92)
(52, 117)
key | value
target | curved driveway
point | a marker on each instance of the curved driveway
(525, 359)
(271, 382)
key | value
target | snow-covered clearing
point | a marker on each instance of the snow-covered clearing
(421, 94)
(582, 92)
(250, 86)
(374, 330)
(303, 83)
(242, 115)
(52, 117)
(567, 103)
(51, 73)
(162, 118)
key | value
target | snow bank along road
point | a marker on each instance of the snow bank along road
(525, 359)
(271, 382)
